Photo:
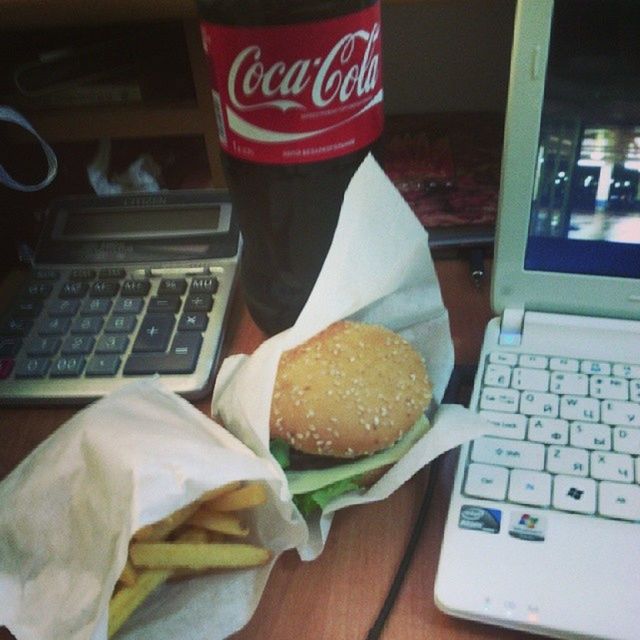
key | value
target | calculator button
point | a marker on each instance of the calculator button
(128, 305)
(82, 274)
(112, 273)
(104, 289)
(193, 322)
(9, 345)
(40, 290)
(16, 326)
(181, 358)
(54, 326)
(166, 304)
(121, 324)
(67, 367)
(46, 274)
(115, 343)
(154, 333)
(172, 286)
(96, 306)
(27, 308)
(32, 367)
(6, 366)
(198, 302)
(42, 346)
(135, 288)
(75, 345)
(73, 290)
(106, 365)
(63, 307)
(204, 285)
(87, 324)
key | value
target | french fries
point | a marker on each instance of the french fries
(201, 536)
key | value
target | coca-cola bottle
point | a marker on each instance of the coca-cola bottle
(297, 86)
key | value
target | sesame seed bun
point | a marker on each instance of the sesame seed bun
(351, 390)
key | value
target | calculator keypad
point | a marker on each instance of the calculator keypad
(86, 323)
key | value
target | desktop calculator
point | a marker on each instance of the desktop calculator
(122, 288)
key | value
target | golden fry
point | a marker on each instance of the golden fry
(129, 575)
(227, 523)
(251, 495)
(160, 530)
(128, 599)
(197, 556)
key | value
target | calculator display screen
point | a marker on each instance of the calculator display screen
(93, 224)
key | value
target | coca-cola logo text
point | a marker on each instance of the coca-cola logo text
(349, 70)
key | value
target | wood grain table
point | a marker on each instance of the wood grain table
(339, 595)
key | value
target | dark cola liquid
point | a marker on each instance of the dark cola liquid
(287, 213)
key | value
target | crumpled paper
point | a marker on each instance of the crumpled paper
(378, 270)
(68, 511)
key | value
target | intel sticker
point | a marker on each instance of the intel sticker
(527, 526)
(479, 518)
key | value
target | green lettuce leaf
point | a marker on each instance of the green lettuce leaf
(308, 503)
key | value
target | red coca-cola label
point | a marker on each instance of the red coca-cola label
(297, 93)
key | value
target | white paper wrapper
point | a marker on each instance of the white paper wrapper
(68, 511)
(378, 270)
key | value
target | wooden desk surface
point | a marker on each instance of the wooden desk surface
(339, 595)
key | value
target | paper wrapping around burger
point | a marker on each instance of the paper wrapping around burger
(68, 511)
(378, 270)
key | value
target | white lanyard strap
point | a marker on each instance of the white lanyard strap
(11, 115)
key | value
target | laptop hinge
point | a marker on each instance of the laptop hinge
(511, 327)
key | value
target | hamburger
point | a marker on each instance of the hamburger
(347, 403)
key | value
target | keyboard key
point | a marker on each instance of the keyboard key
(39, 290)
(104, 289)
(90, 325)
(16, 326)
(533, 361)
(508, 453)
(571, 493)
(181, 358)
(198, 302)
(96, 306)
(590, 436)
(497, 375)
(27, 308)
(530, 379)
(536, 403)
(568, 460)
(578, 408)
(54, 326)
(503, 357)
(486, 481)
(10, 345)
(193, 322)
(619, 500)
(121, 324)
(513, 424)
(204, 285)
(74, 290)
(626, 440)
(63, 307)
(530, 487)
(75, 345)
(569, 383)
(494, 399)
(154, 334)
(609, 387)
(135, 288)
(626, 370)
(634, 391)
(611, 466)
(548, 430)
(82, 274)
(625, 414)
(564, 364)
(594, 366)
(109, 273)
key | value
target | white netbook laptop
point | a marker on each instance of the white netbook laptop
(543, 530)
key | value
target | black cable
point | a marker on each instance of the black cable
(396, 585)
(459, 376)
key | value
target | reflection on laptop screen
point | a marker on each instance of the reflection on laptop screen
(585, 216)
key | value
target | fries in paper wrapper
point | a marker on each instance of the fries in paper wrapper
(142, 493)
(378, 271)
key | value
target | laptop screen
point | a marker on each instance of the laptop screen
(585, 216)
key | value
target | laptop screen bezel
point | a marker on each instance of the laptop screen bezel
(512, 286)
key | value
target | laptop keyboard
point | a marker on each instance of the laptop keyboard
(571, 435)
